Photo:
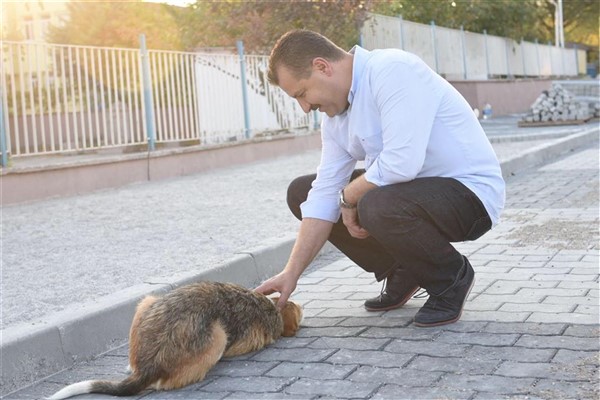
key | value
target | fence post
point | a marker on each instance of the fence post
(487, 55)
(147, 94)
(576, 60)
(3, 130)
(401, 32)
(537, 54)
(550, 54)
(464, 51)
(240, 49)
(435, 53)
(523, 59)
(506, 55)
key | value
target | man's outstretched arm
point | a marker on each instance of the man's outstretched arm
(311, 238)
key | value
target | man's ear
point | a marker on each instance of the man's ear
(322, 65)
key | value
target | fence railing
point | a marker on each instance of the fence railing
(61, 99)
(457, 54)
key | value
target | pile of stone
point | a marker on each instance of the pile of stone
(558, 105)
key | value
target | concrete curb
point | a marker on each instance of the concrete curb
(539, 154)
(32, 352)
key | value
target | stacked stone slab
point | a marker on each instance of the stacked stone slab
(557, 105)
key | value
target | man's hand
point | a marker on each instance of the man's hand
(283, 283)
(350, 219)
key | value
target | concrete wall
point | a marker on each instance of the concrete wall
(505, 97)
(64, 177)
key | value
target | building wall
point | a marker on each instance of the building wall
(29, 20)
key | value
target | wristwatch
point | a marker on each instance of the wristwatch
(343, 203)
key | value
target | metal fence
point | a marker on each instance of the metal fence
(61, 99)
(457, 54)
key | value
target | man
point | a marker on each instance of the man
(430, 175)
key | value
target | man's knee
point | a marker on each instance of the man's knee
(297, 193)
(379, 209)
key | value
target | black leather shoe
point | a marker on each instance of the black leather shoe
(447, 307)
(397, 291)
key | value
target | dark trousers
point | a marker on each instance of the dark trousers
(411, 226)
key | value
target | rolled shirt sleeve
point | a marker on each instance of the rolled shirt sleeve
(333, 173)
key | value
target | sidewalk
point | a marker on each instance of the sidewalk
(529, 330)
(96, 255)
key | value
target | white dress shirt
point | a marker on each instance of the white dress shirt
(406, 122)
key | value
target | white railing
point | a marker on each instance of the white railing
(457, 54)
(61, 99)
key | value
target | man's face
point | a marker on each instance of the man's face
(317, 92)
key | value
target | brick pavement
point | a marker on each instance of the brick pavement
(529, 330)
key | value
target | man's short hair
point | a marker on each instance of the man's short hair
(297, 49)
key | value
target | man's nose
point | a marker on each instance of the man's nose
(305, 105)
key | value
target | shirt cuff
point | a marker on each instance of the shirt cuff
(321, 209)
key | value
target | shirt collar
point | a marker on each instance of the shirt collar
(358, 66)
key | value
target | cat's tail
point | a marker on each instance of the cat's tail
(127, 387)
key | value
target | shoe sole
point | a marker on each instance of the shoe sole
(394, 306)
(450, 321)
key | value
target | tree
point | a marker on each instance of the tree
(118, 24)
(259, 23)
(507, 18)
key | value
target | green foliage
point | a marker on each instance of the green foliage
(260, 23)
(118, 24)
(508, 18)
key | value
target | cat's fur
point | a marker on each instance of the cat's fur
(177, 338)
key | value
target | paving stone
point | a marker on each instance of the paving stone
(353, 343)
(488, 383)
(295, 355)
(292, 342)
(311, 370)
(368, 290)
(497, 316)
(455, 365)
(568, 318)
(559, 342)
(564, 277)
(583, 330)
(578, 285)
(537, 308)
(366, 281)
(316, 322)
(374, 358)
(499, 339)
(396, 376)
(182, 394)
(557, 389)
(336, 389)
(557, 371)
(512, 287)
(509, 353)
(570, 300)
(347, 312)
(316, 288)
(340, 275)
(334, 304)
(380, 321)
(523, 328)
(576, 357)
(334, 331)
(395, 392)
(241, 368)
(255, 384)
(401, 333)
(305, 296)
(266, 396)
(436, 349)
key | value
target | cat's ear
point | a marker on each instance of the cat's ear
(292, 316)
